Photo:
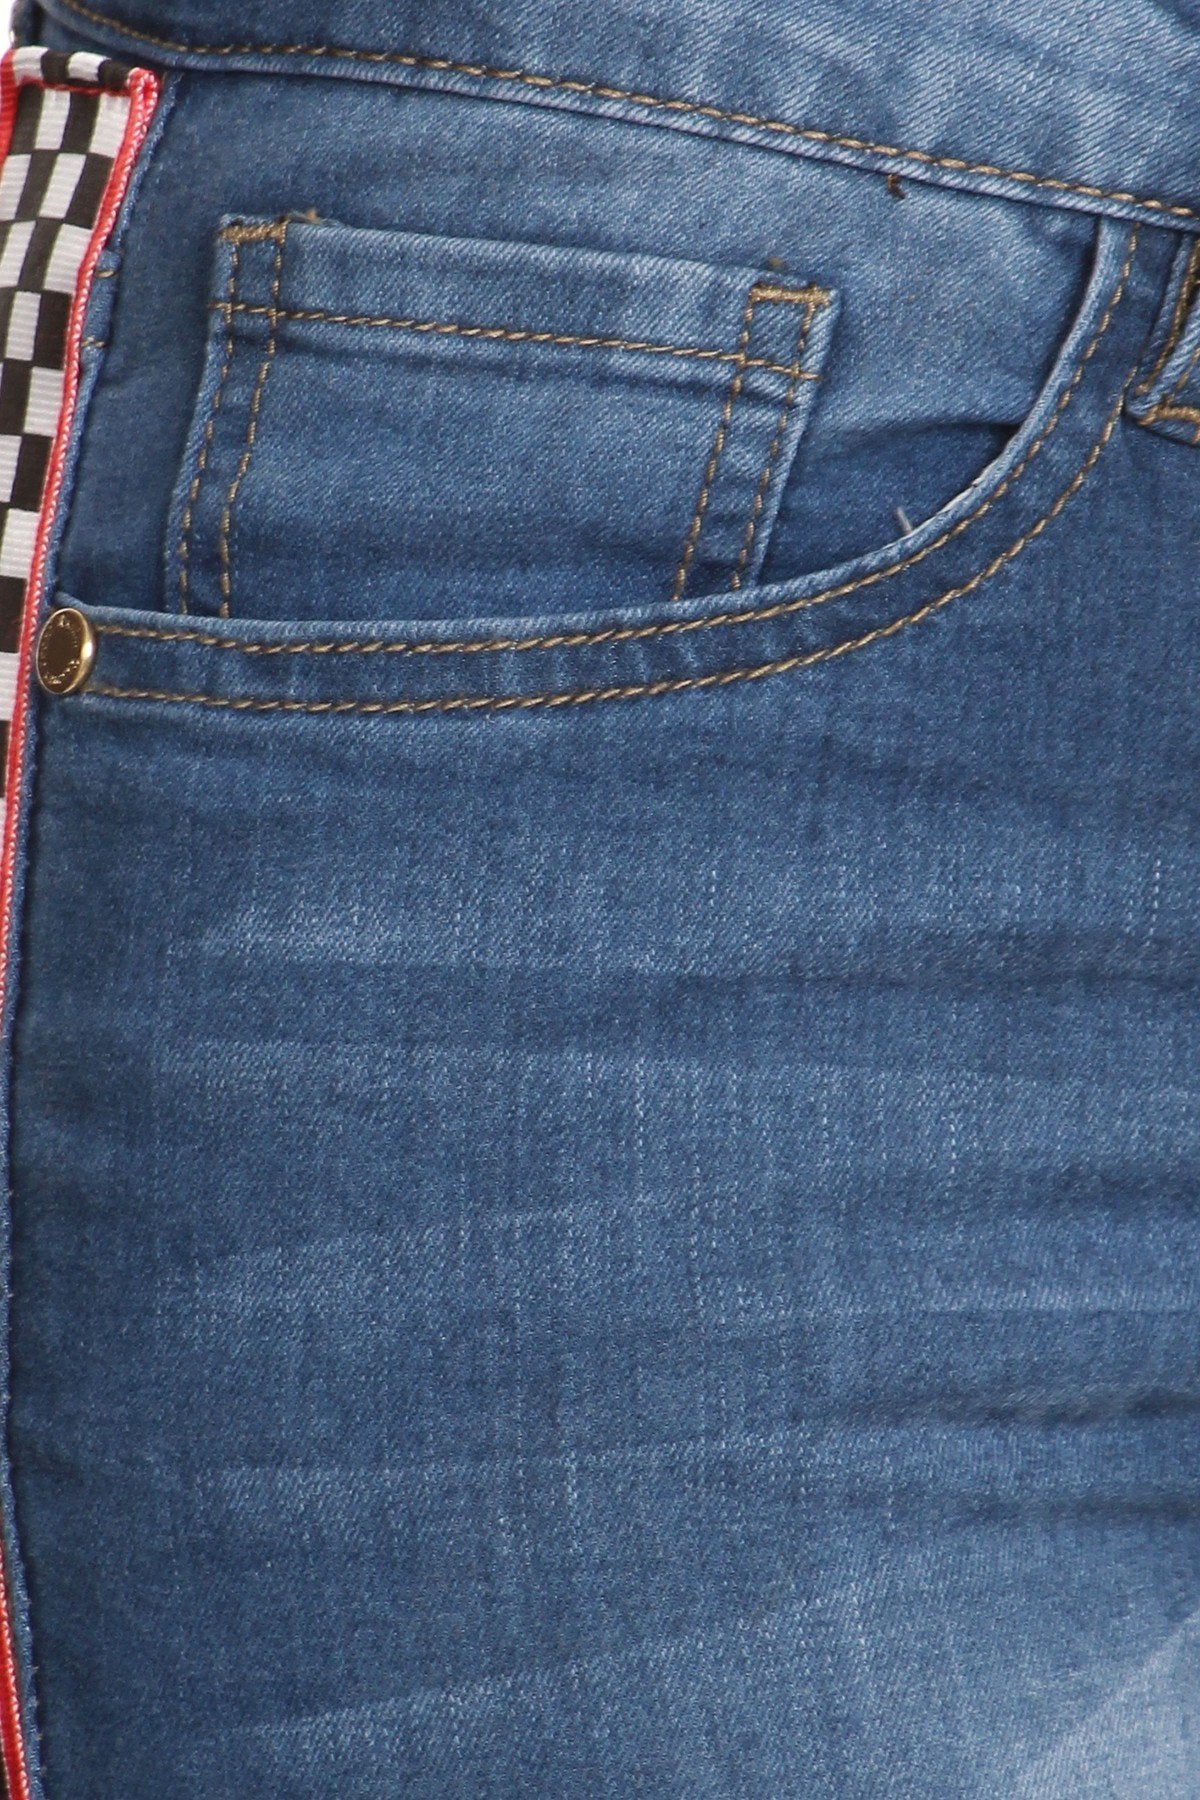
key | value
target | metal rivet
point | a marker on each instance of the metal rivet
(66, 651)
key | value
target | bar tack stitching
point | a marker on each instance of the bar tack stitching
(666, 628)
(225, 526)
(604, 91)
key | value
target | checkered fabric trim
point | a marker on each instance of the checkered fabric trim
(71, 127)
(69, 116)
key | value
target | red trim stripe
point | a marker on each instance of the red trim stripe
(143, 91)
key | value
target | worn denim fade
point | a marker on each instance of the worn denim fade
(604, 1181)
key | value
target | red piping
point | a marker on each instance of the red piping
(143, 95)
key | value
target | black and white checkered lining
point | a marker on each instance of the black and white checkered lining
(70, 117)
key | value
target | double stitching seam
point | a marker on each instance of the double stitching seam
(735, 388)
(225, 526)
(206, 442)
(1179, 386)
(511, 334)
(1167, 409)
(665, 628)
(764, 480)
(1188, 289)
(764, 293)
(1184, 306)
(645, 689)
(603, 91)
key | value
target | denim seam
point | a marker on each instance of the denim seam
(1166, 409)
(668, 627)
(206, 443)
(511, 334)
(503, 703)
(225, 526)
(735, 387)
(604, 91)
(1188, 289)
(764, 480)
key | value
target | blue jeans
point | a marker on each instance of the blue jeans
(602, 1013)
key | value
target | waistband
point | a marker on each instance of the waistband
(1089, 104)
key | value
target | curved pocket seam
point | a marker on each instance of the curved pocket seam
(666, 627)
(505, 703)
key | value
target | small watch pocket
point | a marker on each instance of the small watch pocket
(393, 424)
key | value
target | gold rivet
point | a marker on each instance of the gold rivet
(66, 651)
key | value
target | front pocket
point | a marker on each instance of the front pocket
(449, 427)
(1008, 534)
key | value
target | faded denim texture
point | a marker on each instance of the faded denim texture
(604, 1168)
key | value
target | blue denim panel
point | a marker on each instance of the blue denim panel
(646, 1243)
(561, 1252)
(605, 1200)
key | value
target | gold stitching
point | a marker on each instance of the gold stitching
(669, 627)
(603, 91)
(1170, 412)
(764, 480)
(273, 231)
(1164, 408)
(1183, 301)
(226, 521)
(513, 334)
(193, 494)
(643, 689)
(805, 296)
(735, 388)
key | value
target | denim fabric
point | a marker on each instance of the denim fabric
(588, 425)
(603, 1168)
(1071, 104)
